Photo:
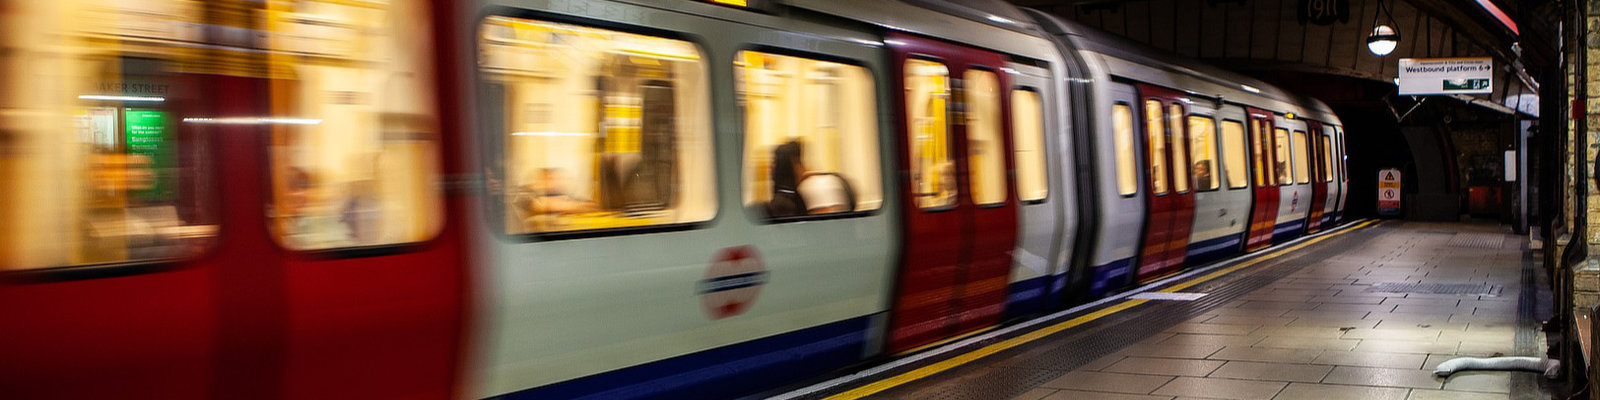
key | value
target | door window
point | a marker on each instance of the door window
(1155, 135)
(985, 140)
(1181, 172)
(1261, 153)
(97, 163)
(1327, 157)
(1280, 163)
(933, 171)
(354, 154)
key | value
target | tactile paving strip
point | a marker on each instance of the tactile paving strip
(1478, 240)
(1526, 386)
(1464, 289)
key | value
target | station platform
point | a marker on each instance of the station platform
(1361, 312)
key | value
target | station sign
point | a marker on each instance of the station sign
(1445, 76)
(1389, 192)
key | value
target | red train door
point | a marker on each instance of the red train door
(1264, 199)
(375, 310)
(960, 221)
(1170, 203)
(1319, 167)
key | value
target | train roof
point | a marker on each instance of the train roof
(1137, 61)
(991, 24)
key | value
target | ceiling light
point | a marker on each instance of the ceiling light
(121, 98)
(1383, 40)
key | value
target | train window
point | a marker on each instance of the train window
(811, 135)
(985, 141)
(1122, 139)
(1326, 159)
(1340, 155)
(1203, 150)
(1301, 154)
(933, 171)
(602, 129)
(357, 165)
(1233, 155)
(1280, 164)
(1027, 128)
(1156, 137)
(96, 166)
(1268, 175)
(1180, 153)
(1260, 158)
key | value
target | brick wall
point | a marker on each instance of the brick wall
(1586, 278)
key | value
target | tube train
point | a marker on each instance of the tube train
(600, 199)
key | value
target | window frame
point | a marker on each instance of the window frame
(1133, 150)
(1244, 151)
(1044, 146)
(1216, 157)
(739, 112)
(492, 143)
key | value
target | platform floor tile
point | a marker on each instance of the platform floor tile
(1364, 315)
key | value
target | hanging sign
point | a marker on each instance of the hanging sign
(1389, 192)
(1433, 76)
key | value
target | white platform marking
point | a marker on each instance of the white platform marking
(1177, 296)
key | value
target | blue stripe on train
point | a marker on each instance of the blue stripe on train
(1288, 230)
(1212, 250)
(725, 372)
(1111, 276)
(1033, 295)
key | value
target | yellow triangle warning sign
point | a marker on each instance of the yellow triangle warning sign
(1388, 176)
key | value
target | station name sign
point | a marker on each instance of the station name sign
(1436, 76)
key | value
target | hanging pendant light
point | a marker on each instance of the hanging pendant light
(1384, 38)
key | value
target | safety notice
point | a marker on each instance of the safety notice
(1389, 192)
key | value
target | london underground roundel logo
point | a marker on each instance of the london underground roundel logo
(732, 282)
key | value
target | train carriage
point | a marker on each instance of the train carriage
(1188, 164)
(602, 199)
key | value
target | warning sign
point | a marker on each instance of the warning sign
(1389, 192)
(732, 282)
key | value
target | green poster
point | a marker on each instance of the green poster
(147, 136)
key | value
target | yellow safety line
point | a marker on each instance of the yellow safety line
(948, 340)
(1007, 344)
